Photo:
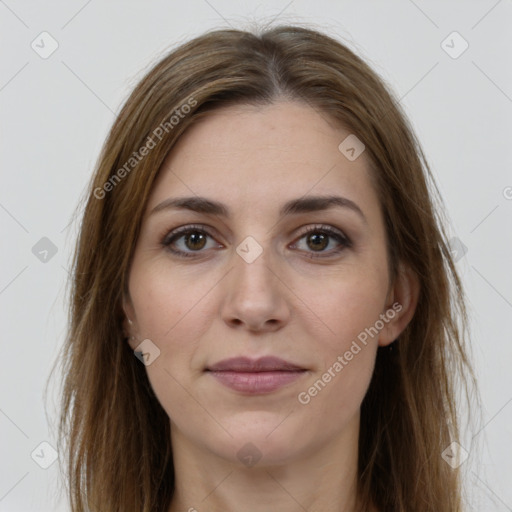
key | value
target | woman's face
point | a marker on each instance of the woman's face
(263, 271)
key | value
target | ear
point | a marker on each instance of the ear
(129, 327)
(401, 304)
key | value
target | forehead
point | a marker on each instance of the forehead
(244, 154)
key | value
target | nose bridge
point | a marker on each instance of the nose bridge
(253, 266)
(255, 296)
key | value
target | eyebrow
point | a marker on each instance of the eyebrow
(304, 204)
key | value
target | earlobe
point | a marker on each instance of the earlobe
(401, 305)
(128, 324)
(128, 333)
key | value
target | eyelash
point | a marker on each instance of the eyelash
(178, 233)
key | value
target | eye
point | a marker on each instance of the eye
(318, 238)
(187, 240)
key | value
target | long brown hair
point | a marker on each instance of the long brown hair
(112, 427)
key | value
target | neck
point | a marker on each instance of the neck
(324, 479)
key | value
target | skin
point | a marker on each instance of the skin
(215, 305)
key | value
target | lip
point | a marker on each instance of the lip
(255, 376)
(246, 364)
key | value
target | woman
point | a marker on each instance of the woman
(260, 233)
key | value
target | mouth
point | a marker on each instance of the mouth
(255, 376)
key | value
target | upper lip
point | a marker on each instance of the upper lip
(246, 364)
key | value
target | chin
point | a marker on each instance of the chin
(264, 441)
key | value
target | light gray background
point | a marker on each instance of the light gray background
(55, 114)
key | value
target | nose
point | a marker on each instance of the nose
(255, 296)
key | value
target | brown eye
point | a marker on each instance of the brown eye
(188, 241)
(195, 240)
(317, 241)
(318, 238)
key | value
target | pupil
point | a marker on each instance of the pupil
(318, 238)
(194, 239)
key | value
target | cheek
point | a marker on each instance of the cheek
(165, 299)
(168, 316)
(347, 304)
(173, 310)
(334, 393)
(347, 341)
(331, 400)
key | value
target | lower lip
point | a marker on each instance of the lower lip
(258, 382)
